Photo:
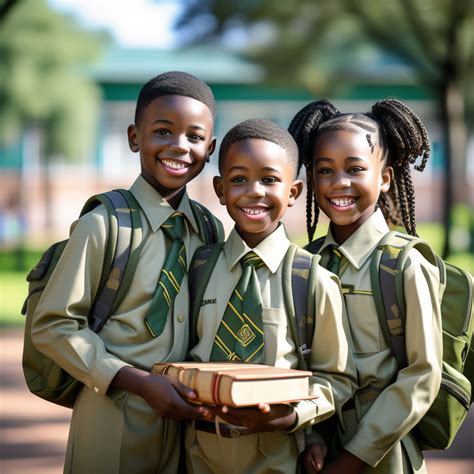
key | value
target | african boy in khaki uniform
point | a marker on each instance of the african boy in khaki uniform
(258, 162)
(123, 418)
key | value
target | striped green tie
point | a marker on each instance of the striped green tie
(334, 260)
(171, 276)
(240, 333)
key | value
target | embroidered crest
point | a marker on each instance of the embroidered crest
(245, 335)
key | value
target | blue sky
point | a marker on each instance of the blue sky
(132, 23)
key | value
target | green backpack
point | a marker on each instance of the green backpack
(44, 377)
(299, 286)
(438, 428)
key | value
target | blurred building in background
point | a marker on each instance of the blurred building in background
(240, 94)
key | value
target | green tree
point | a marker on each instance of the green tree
(43, 82)
(312, 42)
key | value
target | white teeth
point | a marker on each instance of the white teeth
(253, 212)
(341, 202)
(174, 164)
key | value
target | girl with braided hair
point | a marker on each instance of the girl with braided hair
(358, 168)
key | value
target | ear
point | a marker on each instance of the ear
(387, 178)
(133, 138)
(212, 146)
(219, 188)
(295, 191)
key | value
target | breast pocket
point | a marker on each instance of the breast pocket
(275, 327)
(363, 322)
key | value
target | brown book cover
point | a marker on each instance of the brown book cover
(238, 384)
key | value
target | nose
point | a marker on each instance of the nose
(179, 144)
(342, 181)
(255, 189)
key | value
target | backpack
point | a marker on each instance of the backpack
(44, 377)
(438, 428)
(299, 286)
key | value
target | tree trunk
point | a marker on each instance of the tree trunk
(455, 146)
(47, 194)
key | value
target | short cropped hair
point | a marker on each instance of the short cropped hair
(174, 83)
(265, 130)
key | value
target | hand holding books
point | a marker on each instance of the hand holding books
(263, 417)
(239, 384)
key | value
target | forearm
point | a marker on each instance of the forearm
(131, 379)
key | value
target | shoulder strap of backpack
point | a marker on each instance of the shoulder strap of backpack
(299, 274)
(122, 252)
(200, 269)
(207, 223)
(315, 246)
(386, 274)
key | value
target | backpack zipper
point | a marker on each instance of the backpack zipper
(467, 319)
(458, 393)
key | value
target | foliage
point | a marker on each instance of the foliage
(319, 44)
(43, 84)
(308, 41)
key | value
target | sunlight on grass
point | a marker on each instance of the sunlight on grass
(13, 292)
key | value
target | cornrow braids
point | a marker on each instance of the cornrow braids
(405, 141)
(305, 124)
(304, 127)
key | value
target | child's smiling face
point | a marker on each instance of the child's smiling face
(257, 186)
(348, 177)
(174, 138)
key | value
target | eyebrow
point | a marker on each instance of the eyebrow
(349, 158)
(244, 168)
(169, 122)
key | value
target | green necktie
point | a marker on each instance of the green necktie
(240, 333)
(171, 276)
(334, 260)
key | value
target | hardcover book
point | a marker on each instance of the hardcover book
(237, 384)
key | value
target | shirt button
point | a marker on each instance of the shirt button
(180, 318)
(96, 389)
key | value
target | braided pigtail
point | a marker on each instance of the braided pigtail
(304, 127)
(404, 141)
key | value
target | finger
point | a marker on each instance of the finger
(317, 463)
(264, 407)
(308, 465)
(185, 391)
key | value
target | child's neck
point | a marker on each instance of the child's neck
(172, 196)
(253, 240)
(342, 232)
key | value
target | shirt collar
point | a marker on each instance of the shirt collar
(360, 245)
(272, 250)
(156, 208)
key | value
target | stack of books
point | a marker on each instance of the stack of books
(238, 384)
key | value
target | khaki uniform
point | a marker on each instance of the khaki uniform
(114, 431)
(331, 361)
(373, 429)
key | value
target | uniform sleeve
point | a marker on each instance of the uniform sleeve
(404, 402)
(59, 326)
(334, 378)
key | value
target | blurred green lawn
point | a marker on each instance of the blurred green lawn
(14, 287)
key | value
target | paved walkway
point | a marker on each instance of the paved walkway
(34, 432)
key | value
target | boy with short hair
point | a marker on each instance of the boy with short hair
(123, 417)
(258, 165)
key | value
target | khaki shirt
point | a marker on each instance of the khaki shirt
(405, 396)
(60, 322)
(330, 361)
